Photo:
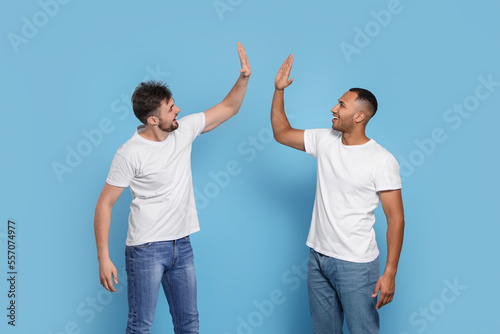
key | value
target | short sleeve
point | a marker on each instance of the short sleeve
(121, 172)
(312, 139)
(193, 124)
(386, 174)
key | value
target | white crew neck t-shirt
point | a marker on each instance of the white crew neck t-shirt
(348, 181)
(160, 180)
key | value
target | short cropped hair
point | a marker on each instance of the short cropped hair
(147, 98)
(367, 97)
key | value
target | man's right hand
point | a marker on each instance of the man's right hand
(282, 81)
(102, 220)
(108, 274)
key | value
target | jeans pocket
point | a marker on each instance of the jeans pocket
(187, 239)
(146, 245)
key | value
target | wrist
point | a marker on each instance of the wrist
(103, 257)
(390, 271)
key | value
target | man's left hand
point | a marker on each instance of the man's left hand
(245, 71)
(386, 285)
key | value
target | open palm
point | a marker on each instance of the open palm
(282, 81)
(246, 71)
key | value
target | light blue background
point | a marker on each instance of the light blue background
(78, 66)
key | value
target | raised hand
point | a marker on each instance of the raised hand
(245, 71)
(282, 81)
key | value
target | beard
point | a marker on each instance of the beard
(170, 127)
(346, 127)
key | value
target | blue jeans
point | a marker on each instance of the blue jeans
(169, 263)
(340, 288)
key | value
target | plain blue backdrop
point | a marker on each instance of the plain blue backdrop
(68, 68)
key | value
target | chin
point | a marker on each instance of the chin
(337, 129)
(170, 128)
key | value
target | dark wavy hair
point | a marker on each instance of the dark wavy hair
(147, 98)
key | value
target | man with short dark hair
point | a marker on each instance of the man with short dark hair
(156, 164)
(354, 175)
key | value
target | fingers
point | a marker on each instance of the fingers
(284, 72)
(241, 49)
(241, 52)
(282, 81)
(286, 67)
(385, 298)
(108, 283)
(290, 61)
(115, 275)
(386, 295)
(375, 293)
(245, 64)
(376, 290)
(386, 286)
(108, 275)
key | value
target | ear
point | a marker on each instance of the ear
(153, 120)
(360, 117)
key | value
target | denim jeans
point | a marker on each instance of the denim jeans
(340, 288)
(169, 263)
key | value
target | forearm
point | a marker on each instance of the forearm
(279, 121)
(102, 222)
(395, 232)
(234, 98)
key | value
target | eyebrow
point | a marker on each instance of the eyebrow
(341, 102)
(173, 104)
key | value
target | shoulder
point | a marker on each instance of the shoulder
(316, 140)
(383, 155)
(380, 150)
(191, 125)
(132, 148)
(320, 134)
(192, 119)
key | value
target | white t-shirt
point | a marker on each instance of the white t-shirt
(348, 182)
(160, 180)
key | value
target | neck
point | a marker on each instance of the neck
(154, 134)
(354, 138)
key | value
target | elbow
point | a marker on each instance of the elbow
(230, 108)
(278, 137)
(281, 133)
(396, 220)
(104, 205)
